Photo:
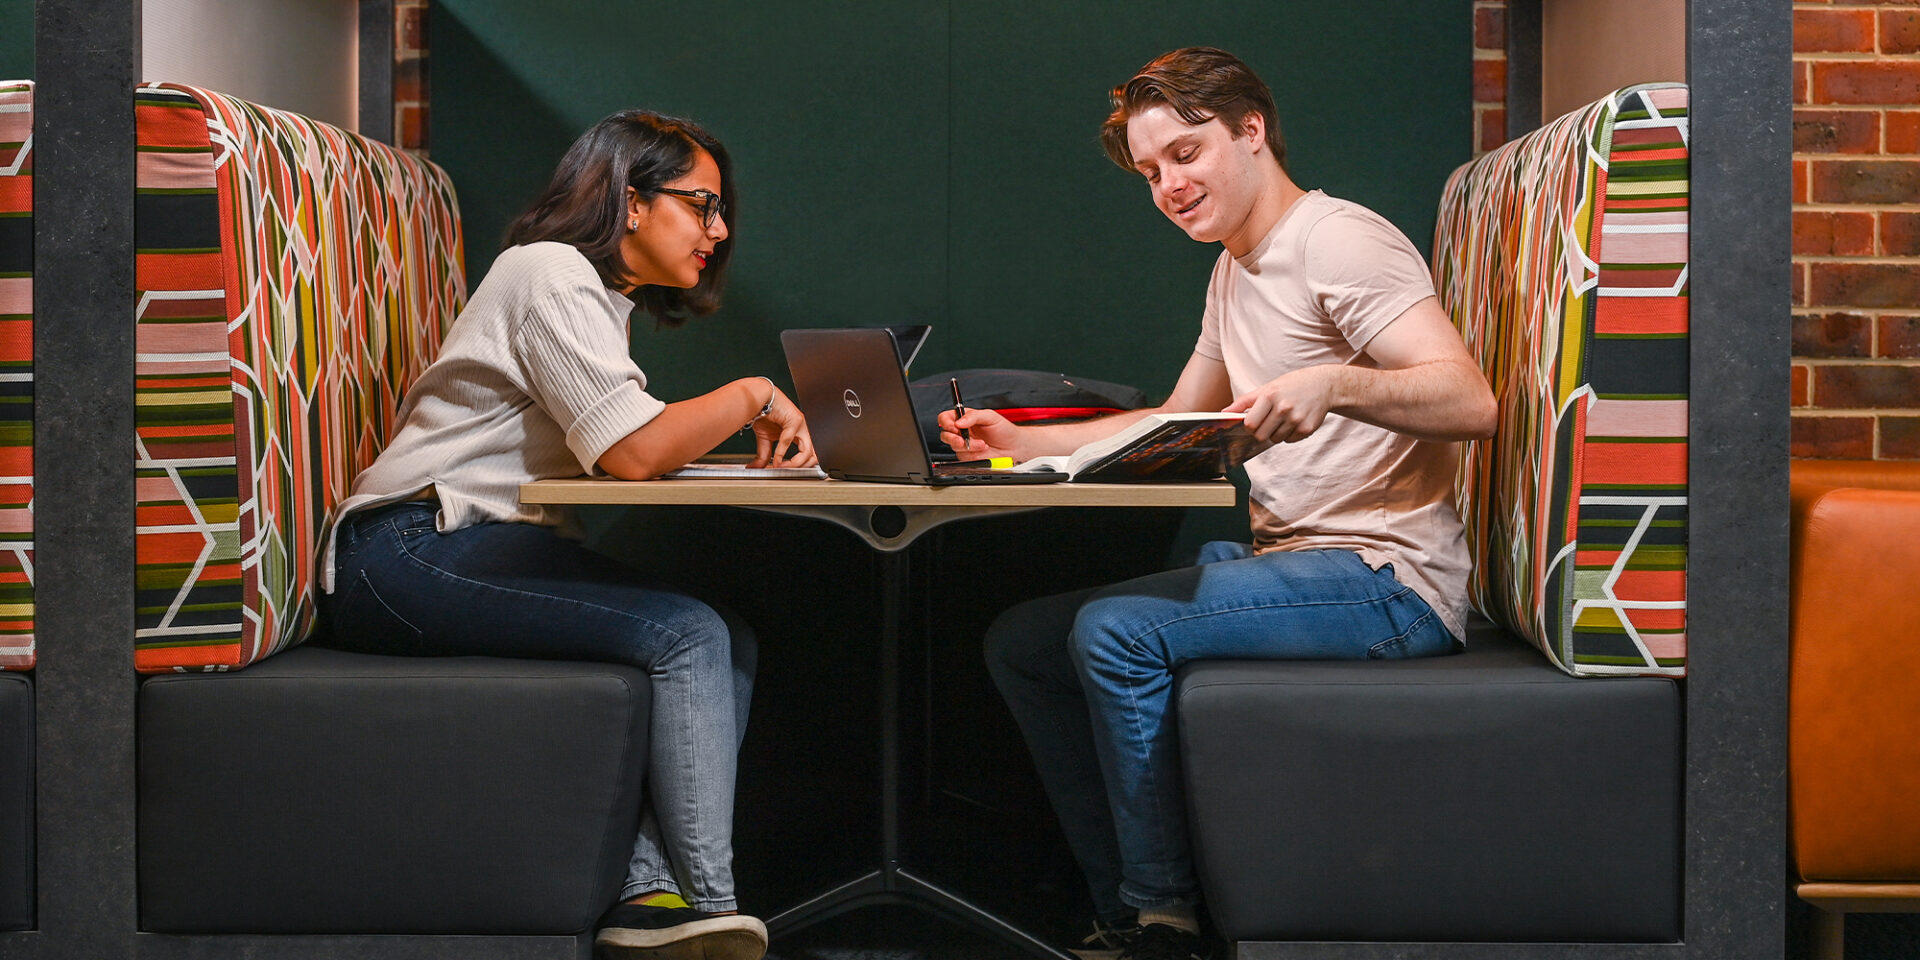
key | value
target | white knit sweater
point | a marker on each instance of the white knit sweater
(533, 382)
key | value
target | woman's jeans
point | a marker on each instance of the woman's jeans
(519, 590)
(1089, 677)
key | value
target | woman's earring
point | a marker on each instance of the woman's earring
(633, 224)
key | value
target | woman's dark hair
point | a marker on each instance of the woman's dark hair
(1199, 83)
(586, 203)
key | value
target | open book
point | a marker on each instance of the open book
(1160, 447)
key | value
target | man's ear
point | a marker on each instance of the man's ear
(1253, 126)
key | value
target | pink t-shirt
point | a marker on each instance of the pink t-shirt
(1327, 278)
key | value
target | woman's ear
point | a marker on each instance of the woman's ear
(636, 209)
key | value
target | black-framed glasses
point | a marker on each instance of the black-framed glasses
(711, 205)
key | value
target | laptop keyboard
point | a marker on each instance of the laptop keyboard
(945, 471)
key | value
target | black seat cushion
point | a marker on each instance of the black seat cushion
(16, 801)
(1484, 796)
(329, 792)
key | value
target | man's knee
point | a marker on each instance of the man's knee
(1005, 646)
(1109, 636)
(1022, 639)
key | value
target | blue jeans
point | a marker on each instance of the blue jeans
(1089, 677)
(519, 590)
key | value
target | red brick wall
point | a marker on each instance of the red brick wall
(1856, 229)
(1489, 74)
(410, 75)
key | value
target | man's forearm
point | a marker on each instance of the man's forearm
(1059, 439)
(1443, 400)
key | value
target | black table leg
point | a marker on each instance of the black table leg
(892, 884)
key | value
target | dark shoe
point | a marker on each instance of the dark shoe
(1107, 940)
(1158, 941)
(632, 931)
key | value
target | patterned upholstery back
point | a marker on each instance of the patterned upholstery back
(1562, 257)
(293, 280)
(16, 375)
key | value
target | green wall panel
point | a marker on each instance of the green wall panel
(914, 161)
(16, 39)
(1059, 257)
(835, 114)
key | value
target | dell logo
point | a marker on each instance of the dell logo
(852, 400)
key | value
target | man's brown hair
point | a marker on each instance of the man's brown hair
(1199, 83)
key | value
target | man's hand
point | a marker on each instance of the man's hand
(1417, 379)
(991, 434)
(1291, 406)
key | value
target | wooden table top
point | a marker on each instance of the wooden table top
(752, 493)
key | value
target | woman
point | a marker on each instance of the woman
(434, 554)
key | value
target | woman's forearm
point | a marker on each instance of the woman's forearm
(685, 430)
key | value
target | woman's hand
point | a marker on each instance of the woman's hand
(780, 439)
(989, 434)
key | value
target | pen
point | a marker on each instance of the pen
(960, 410)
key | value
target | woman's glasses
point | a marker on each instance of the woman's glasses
(710, 204)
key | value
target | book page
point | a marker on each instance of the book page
(1040, 465)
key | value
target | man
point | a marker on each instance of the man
(1320, 326)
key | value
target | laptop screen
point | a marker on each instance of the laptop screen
(850, 385)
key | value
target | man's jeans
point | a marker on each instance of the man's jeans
(1089, 677)
(518, 590)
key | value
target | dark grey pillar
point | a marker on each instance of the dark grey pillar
(87, 58)
(376, 70)
(1739, 53)
(1523, 67)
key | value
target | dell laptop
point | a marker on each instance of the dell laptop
(853, 390)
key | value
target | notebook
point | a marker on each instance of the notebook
(735, 468)
(851, 386)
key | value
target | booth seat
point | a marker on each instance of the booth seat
(1854, 692)
(16, 505)
(1491, 796)
(293, 279)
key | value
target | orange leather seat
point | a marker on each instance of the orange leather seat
(1854, 716)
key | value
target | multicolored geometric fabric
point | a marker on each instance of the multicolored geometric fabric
(293, 279)
(16, 375)
(1562, 257)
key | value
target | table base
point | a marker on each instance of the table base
(894, 885)
(890, 883)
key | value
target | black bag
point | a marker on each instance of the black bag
(1023, 396)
